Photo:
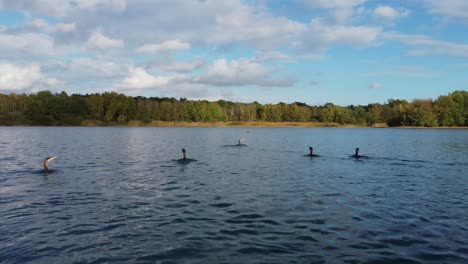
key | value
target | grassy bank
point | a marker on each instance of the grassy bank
(97, 123)
(136, 123)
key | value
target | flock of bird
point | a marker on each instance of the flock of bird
(184, 158)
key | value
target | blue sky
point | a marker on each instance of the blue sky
(270, 51)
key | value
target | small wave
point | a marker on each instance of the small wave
(266, 251)
(319, 231)
(405, 242)
(221, 205)
(307, 238)
(390, 260)
(235, 146)
(170, 188)
(173, 254)
(248, 216)
(445, 257)
(242, 231)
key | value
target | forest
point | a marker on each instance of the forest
(110, 108)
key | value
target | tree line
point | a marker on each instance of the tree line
(111, 108)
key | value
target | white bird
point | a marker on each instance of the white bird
(46, 162)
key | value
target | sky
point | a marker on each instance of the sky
(311, 51)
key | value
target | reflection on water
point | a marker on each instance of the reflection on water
(120, 195)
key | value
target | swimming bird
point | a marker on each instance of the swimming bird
(311, 154)
(46, 162)
(183, 152)
(184, 159)
(356, 155)
(240, 142)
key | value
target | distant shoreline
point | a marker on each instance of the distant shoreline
(252, 124)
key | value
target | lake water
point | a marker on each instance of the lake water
(119, 195)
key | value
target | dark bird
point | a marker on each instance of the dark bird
(356, 155)
(240, 142)
(184, 159)
(311, 154)
(183, 153)
(46, 163)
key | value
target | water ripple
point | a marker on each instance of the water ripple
(117, 196)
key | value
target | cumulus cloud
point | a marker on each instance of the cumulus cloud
(208, 23)
(275, 56)
(334, 3)
(15, 77)
(244, 25)
(450, 8)
(29, 43)
(428, 46)
(340, 10)
(240, 73)
(114, 5)
(100, 41)
(210, 29)
(170, 45)
(322, 34)
(95, 67)
(221, 73)
(169, 64)
(388, 13)
(375, 86)
(64, 8)
(138, 78)
(43, 25)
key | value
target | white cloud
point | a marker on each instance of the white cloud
(375, 86)
(29, 43)
(340, 10)
(406, 71)
(241, 72)
(210, 28)
(243, 24)
(95, 67)
(59, 27)
(323, 34)
(138, 78)
(169, 64)
(64, 8)
(334, 3)
(450, 8)
(263, 56)
(196, 22)
(427, 45)
(114, 5)
(220, 73)
(65, 27)
(388, 13)
(170, 45)
(99, 41)
(23, 77)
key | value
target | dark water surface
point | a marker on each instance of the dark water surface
(119, 195)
